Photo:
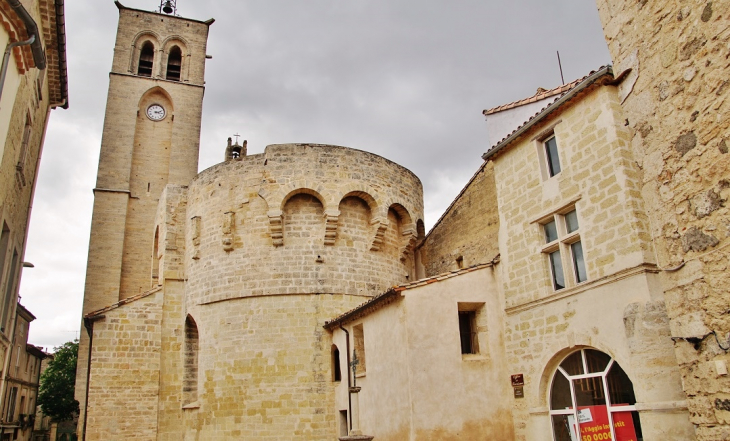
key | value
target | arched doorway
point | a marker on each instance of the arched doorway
(592, 399)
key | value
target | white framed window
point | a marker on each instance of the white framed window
(552, 158)
(592, 397)
(564, 249)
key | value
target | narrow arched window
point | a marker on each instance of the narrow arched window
(336, 370)
(591, 396)
(156, 257)
(146, 59)
(174, 64)
(190, 377)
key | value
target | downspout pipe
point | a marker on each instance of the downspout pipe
(349, 382)
(34, 40)
(6, 59)
(36, 46)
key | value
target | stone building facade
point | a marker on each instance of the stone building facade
(675, 100)
(294, 294)
(22, 378)
(34, 84)
(150, 139)
(250, 259)
(571, 278)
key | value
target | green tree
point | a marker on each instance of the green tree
(56, 391)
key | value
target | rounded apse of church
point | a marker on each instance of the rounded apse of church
(301, 219)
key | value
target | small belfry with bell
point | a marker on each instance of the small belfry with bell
(168, 7)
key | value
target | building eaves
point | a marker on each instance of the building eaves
(539, 96)
(60, 64)
(17, 31)
(94, 314)
(392, 294)
(35, 350)
(27, 315)
(580, 85)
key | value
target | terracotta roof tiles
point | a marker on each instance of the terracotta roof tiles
(540, 95)
(553, 105)
(389, 296)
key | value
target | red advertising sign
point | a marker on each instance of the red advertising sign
(594, 426)
(623, 426)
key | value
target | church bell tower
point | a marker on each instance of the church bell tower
(151, 138)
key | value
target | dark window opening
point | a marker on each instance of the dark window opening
(556, 266)
(467, 332)
(11, 408)
(553, 161)
(25, 143)
(146, 59)
(174, 64)
(9, 292)
(190, 376)
(336, 369)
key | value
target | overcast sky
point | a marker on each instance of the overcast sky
(404, 79)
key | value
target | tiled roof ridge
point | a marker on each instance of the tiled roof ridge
(446, 275)
(123, 302)
(540, 95)
(388, 296)
(578, 85)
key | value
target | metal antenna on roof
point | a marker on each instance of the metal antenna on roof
(561, 69)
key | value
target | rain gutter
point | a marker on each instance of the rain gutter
(36, 46)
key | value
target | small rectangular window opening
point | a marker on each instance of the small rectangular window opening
(468, 332)
(336, 369)
(9, 291)
(579, 263)
(551, 155)
(343, 423)
(556, 267)
(460, 262)
(551, 231)
(11, 408)
(25, 144)
(359, 349)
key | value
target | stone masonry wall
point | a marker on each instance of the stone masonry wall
(170, 224)
(136, 26)
(131, 175)
(264, 369)
(598, 178)
(285, 223)
(677, 107)
(468, 229)
(21, 101)
(125, 372)
(625, 319)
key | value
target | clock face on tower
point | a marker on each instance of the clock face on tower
(156, 112)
